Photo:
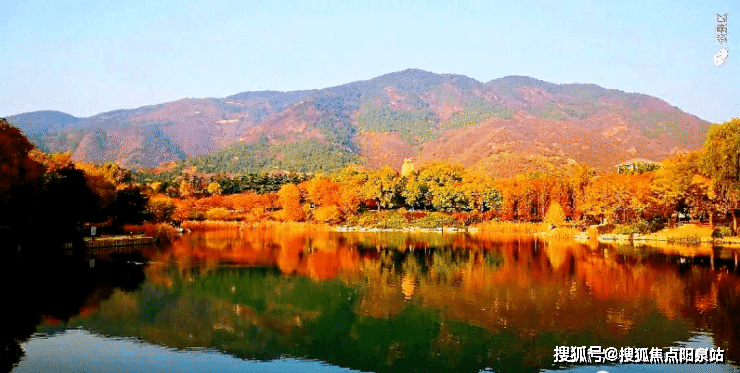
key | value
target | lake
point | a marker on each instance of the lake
(280, 301)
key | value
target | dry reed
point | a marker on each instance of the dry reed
(162, 231)
(215, 225)
(511, 228)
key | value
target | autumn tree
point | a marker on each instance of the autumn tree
(161, 208)
(555, 214)
(577, 179)
(511, 192)
(681, 186)
(290, 200)
(606, 197)
(130, 205)
(105, 181)
(413, 192)
(702, 197)
(478, 193)
(382, 187)
(331, 200)
(64, 199)
(721, 162)
(535, 198)
(184, 209)
(442, 180)
(352, 180)
(624, 198)
(190, 182)
(244, 201)
(322, 191)
(20, 183)
(20, 175)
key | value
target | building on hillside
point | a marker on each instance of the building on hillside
(408, 168)
(637, 165)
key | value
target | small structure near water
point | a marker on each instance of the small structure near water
(638, 165)
(119, 241)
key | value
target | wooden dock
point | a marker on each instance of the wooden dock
(119, 241)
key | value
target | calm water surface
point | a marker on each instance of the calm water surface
(277, 301)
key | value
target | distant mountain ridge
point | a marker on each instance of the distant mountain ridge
(510, 124)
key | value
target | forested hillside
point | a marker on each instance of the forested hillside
(504, 126)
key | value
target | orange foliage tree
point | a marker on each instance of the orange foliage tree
(333, 202)
(290, 200)
(621, 198)
(322, 191)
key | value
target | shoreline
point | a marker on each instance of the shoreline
(505, 228)
(642, 239)
(405, 229)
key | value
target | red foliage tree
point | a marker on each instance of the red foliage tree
(20, 175)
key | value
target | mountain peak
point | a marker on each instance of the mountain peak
(512, 81)
(43, 116)
(417, 79)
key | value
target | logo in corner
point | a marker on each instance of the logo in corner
(721, 57)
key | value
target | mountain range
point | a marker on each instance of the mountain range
(501, 127)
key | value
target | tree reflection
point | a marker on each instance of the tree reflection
(411, 302)
(50, 293)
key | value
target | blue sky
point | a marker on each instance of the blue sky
(87, 57)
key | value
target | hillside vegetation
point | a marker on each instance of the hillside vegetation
(411, 113)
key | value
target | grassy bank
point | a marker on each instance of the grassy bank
(215, 225)
(397, 220)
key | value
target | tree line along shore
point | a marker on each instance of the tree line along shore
(64, 198)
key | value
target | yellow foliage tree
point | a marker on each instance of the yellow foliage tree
(156, 186)
(214, 188)
(555, 214)
(161, 208)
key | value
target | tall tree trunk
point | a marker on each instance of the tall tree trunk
(734, 222)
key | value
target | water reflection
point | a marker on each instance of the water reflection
(56, 291)
(414, 302)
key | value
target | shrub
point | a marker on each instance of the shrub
(655, 224)
(435, 220)
(643, 227)
(156, 186)
(625, 229)
(327, 214)
(166, 232)
(196, 215)
(467, 218)
(210, 225)
(392, 220)
(414, 215)
(162, 232)
(722, 232)
(214, 188)
(217, 213)
(256, 214)
(510, 228)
